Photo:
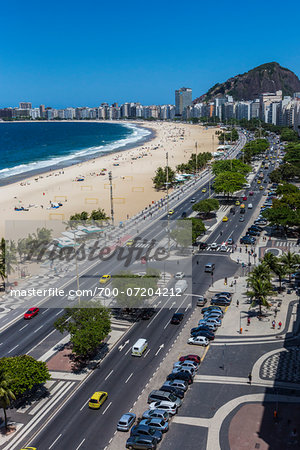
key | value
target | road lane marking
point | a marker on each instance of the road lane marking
(107, 376)
(53, 331)
(59, 312)
(146, 352)
(24, 327)
(38, 329)
(129, 377)
(45, 311)
(53, 443)
(13, 349)
(80, 444)
(83, 406)
(128, 351)
(166, 325)
(107, 408)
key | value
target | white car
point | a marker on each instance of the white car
(179, 275)
(198, 340)
(170, 407)
(188, 369)
(193, 200)
(186, 363)
(214, 245)
(72, 297)
(223, 248)
(250, 206)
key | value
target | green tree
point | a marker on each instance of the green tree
(24, 372)
(87, 327)
(230, 165)
(229, 182)
(206, 206)
(280, 270)
(198, 228)
(182, 233)
(287, 188)
(6, 393)
(141, 287)
(98, 214)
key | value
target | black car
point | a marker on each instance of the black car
(202, 245)
(141, 442)
(208, 334)
(256, 228)
(221, 301)
(183, 214)
(200, 328)
(147, 313)
(251, 232)
(177, 318)
(144, 430)
(186, 376)
(178, 392)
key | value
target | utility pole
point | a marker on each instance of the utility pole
(111, 199)
(167, 184)
(196, 147)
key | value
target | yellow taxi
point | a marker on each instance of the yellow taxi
(261, 188)
(29, 448)
(97, 399)
(258, 181)
(225, 219)
(237, 203)
(129, 243)
(171, 212)
(242, 206)
(204, 190)
(105, 279)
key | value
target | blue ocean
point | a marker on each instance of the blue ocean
(31, 147)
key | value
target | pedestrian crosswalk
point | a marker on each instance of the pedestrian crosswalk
(288, 244)
(217, 249)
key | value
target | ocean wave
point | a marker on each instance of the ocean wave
(137, 134)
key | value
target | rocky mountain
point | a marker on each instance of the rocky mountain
(269, 77)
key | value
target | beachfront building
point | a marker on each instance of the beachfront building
(183, 99)
(243, 110)
(35, 113)
(25, 105)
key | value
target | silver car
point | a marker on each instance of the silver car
(190, 370)
(186, 363)
(156, 414)
(178, 384)
(126, 422)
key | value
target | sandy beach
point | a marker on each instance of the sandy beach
(132, 172)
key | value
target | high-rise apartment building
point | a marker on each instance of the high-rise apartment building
(25, 105)
(183, 99)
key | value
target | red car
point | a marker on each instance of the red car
(195, 358)
(31, 313)
(244, 198)
(251, 193)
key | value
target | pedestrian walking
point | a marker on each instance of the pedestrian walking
(237, 303)
(250, 377)
(273, 324)
(279, 325)
(240, 249)
(248, 321)
(275, 313)
(238, 260)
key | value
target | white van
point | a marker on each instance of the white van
(139, 347)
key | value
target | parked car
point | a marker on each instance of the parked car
(220, 301)
(188, 370)
(144, 430)
(141, 442)
(201, 328)
(187, 362)
(251, 232)
(214, 321)
(247, 240)
(180, 385)
(156, 414)
(256, 228)
(160, 396)
(210, 335)
(191, 358)
(199, 340)
(201, 300)
(178, 392)
(180, 376)
(177, 318)
(126, 422)
(216, 314)
(157, 424)
(211, 326)
(170, 407)
(210, 308)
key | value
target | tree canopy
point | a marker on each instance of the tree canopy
(161, 176)
(24, 372)
(231, 165)
(206, 206)
(87, 327)
(229, 182)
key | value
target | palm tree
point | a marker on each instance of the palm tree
(6, 394)
(270, 260)
(260, 290)
(279, 270)
(290, 261)
(261, 271)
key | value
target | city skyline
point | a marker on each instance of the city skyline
(70, 56)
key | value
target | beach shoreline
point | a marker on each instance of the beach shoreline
(77, 159)
(132, 172)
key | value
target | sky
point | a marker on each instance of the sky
(75, 53)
